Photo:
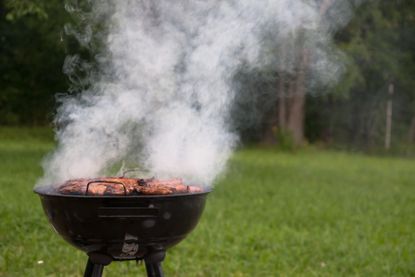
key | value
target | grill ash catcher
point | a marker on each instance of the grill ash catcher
(122, 227)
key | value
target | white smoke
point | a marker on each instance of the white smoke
(162, 97)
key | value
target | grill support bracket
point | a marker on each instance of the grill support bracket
(97, 262)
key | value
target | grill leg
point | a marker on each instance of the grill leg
(93, 270)
(153, 261)
(154, 269)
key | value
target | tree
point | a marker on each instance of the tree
(379, 51)
(292, 87)
(17, 9)
(31, 61)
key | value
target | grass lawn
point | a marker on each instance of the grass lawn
(311, 213)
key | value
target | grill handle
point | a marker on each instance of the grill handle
(106, 182)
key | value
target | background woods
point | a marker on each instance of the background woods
(378, 56)
(371, 106)
(32, 54)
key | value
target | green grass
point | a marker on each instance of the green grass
(310, 213)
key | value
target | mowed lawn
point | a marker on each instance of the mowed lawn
(309, 213)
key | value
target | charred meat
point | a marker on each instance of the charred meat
(125, 186)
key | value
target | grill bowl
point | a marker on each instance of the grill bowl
(122, 227)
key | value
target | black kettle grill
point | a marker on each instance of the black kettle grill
(119, 228)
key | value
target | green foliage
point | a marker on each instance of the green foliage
(31, 60)
(274, 213)
(379, 50)
(379, 47)
(285, 140)
(375, 43)
(21, 8)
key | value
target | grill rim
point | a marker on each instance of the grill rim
(51, 191)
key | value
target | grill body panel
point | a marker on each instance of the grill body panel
(123, 227)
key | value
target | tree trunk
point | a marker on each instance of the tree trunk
(281, 101)
(412, 130)
(292, 90)
(388, 129)
(295, 122)
(269, 136)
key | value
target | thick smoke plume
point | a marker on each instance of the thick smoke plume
(162, 93)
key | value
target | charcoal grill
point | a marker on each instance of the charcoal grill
(120, 228)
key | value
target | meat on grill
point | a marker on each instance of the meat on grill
(125, 186)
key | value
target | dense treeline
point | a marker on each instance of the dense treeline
(32, 54)
(372, 106)
(379, 45)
